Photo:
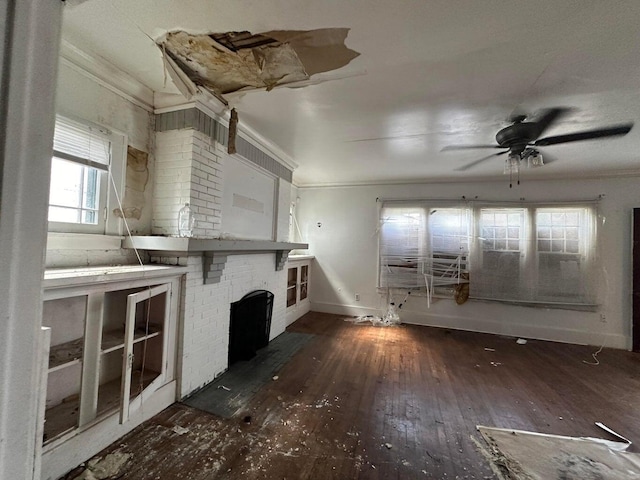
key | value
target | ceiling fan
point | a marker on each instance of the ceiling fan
(521, 139)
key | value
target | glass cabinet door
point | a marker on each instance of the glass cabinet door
(145, 346)
(66, 318)
(304, 281)
(292, 286)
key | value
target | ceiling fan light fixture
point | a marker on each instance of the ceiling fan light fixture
(535, 160)
(512, 164)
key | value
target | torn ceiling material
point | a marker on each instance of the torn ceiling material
(232, 61)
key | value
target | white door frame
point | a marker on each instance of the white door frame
(30, 31)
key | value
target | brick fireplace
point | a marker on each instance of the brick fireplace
(190, 167)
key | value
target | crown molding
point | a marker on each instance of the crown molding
(479, 179)
(106, 75)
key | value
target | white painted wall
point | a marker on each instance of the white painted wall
(249, 201)
(284, 201)
(345, 249)
(81, 97)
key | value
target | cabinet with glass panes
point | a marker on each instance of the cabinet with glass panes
(298, 274)
(112, 348)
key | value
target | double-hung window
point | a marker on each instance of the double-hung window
(403, 249)
(526, 253)
(422, 243)
(565, 253)
(501, 254)
(80, 168)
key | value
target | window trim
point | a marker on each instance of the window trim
(110, 175)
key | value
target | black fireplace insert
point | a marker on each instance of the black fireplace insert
(250, 325)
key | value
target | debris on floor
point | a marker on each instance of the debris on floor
(375, 320)
(521, 341)
(180, 430)
(522, 455)
(104, 468)
(486, 349)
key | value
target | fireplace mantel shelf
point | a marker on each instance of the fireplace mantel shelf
(214, 252)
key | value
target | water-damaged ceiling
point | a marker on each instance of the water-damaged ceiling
(385, 85)
(230, 62)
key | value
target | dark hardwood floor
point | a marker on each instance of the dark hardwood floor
(364, 402)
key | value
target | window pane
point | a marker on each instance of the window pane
(66, 183)
(544, 246)
(572, 218)
(74, 193)
(573, 246)
(572, 233)
(90, 217)
(544, 232)
(61, 214)
(557, 233)
(513, 245)
(557, 218)
(543, 219)
(91, 188)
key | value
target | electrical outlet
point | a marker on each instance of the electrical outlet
(603, 318)
(357, 297)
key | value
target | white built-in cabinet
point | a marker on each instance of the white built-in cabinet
(298, 276)
(113, 347)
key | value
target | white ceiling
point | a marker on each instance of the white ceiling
(430, 73)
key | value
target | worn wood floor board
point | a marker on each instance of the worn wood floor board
(397, 403)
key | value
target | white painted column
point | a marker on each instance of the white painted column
(29, 52)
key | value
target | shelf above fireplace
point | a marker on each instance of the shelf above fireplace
(214, 252)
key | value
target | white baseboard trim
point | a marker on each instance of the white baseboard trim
(534, 332)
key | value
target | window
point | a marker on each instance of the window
(402, 247)
(422, 243)
(501, 254)
(563, 243)
(526, 253)
(80, 169)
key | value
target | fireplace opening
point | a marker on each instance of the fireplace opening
(250, 325)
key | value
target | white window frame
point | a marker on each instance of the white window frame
(108, 222)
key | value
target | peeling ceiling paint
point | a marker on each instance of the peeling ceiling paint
(235, 61)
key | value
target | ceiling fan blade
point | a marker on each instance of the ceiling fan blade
(549, 117)
(476, 162)
(467, 147)
(586, 135)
